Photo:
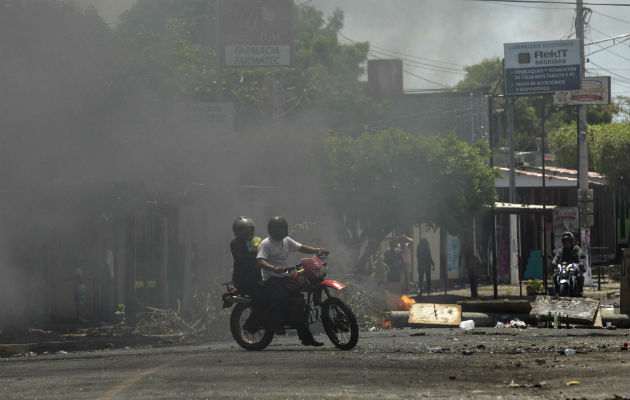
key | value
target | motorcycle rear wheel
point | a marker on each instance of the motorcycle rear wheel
(247, 340)
(340, 324)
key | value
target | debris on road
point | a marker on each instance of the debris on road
(571, 383)
(467, 325)
(435, 314)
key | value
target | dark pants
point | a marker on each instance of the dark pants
(426, 271)
(277, 301)
(473, 281)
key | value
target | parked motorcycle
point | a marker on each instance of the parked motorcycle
(307, 277)
(565, 278)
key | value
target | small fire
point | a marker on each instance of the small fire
(405, 303)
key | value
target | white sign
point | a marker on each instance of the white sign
(257, 33)
(255, 56)
(565, 219)
(209, 116)
(595, 91)
(541, 67)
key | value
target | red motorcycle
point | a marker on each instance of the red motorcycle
(307, 278)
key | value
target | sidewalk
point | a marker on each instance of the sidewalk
(77, 337)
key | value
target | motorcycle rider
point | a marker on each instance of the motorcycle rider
(272, 259)
(570, 253)
(246, 275)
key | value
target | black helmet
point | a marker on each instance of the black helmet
(278, 228)
(243, 228)
(569, 237)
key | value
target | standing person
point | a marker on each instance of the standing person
(425, 264)
(393, 259)
(404, 242)
(272, 258)
(470, 265)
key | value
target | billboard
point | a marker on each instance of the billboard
(595, 91)
(541, 67)
(257, 33)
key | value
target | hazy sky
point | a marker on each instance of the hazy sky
(449, 34)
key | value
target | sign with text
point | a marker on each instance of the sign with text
(595, 91)
(542, 67)
(257, 33)
(206, 117)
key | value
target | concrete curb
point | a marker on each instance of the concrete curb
(92, 343)
(399, 319)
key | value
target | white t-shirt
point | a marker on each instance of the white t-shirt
(276, 253)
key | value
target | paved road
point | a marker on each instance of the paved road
(391, 364)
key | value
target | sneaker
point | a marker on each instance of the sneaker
(312, 342)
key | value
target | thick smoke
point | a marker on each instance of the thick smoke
(78, 150)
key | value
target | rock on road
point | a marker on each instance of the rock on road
(389, 364)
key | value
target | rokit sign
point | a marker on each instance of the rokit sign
(542, 67)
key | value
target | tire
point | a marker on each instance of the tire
(564, 290)
(249, 341)
(340, 324)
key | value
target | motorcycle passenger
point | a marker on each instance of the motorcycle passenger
(272, 258)
(570, 253)
(246, 275)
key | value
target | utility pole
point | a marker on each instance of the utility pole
(582, 144)
(509, 113)
(585, 196)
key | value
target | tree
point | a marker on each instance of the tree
(391, 179)
(172, 51)
(608, 148)
(488, 74)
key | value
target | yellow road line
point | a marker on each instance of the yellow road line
(117, 389)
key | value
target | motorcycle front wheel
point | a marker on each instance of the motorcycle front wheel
(340, 324)
(564, 290)
(246, 339)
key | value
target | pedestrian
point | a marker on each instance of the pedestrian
(425, 265)
(470, 259)
(404, 242)
(393, 259)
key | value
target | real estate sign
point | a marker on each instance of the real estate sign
(257, 33)
(541, 67)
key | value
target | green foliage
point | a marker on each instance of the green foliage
(200, 318)
(611, 153)
(608, 148)
(536, 285)
(368, 306)
(380, 270)
(486, 74)
(527, 112)
(391, 179)
(172, 49)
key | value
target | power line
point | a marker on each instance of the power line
(621, 77)
(372, 46)
(420, 65)
(554, 2)
(611, 17)
(425, 79)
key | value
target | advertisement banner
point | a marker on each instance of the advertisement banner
(541, 67)
(595, 91)
(257, 33)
